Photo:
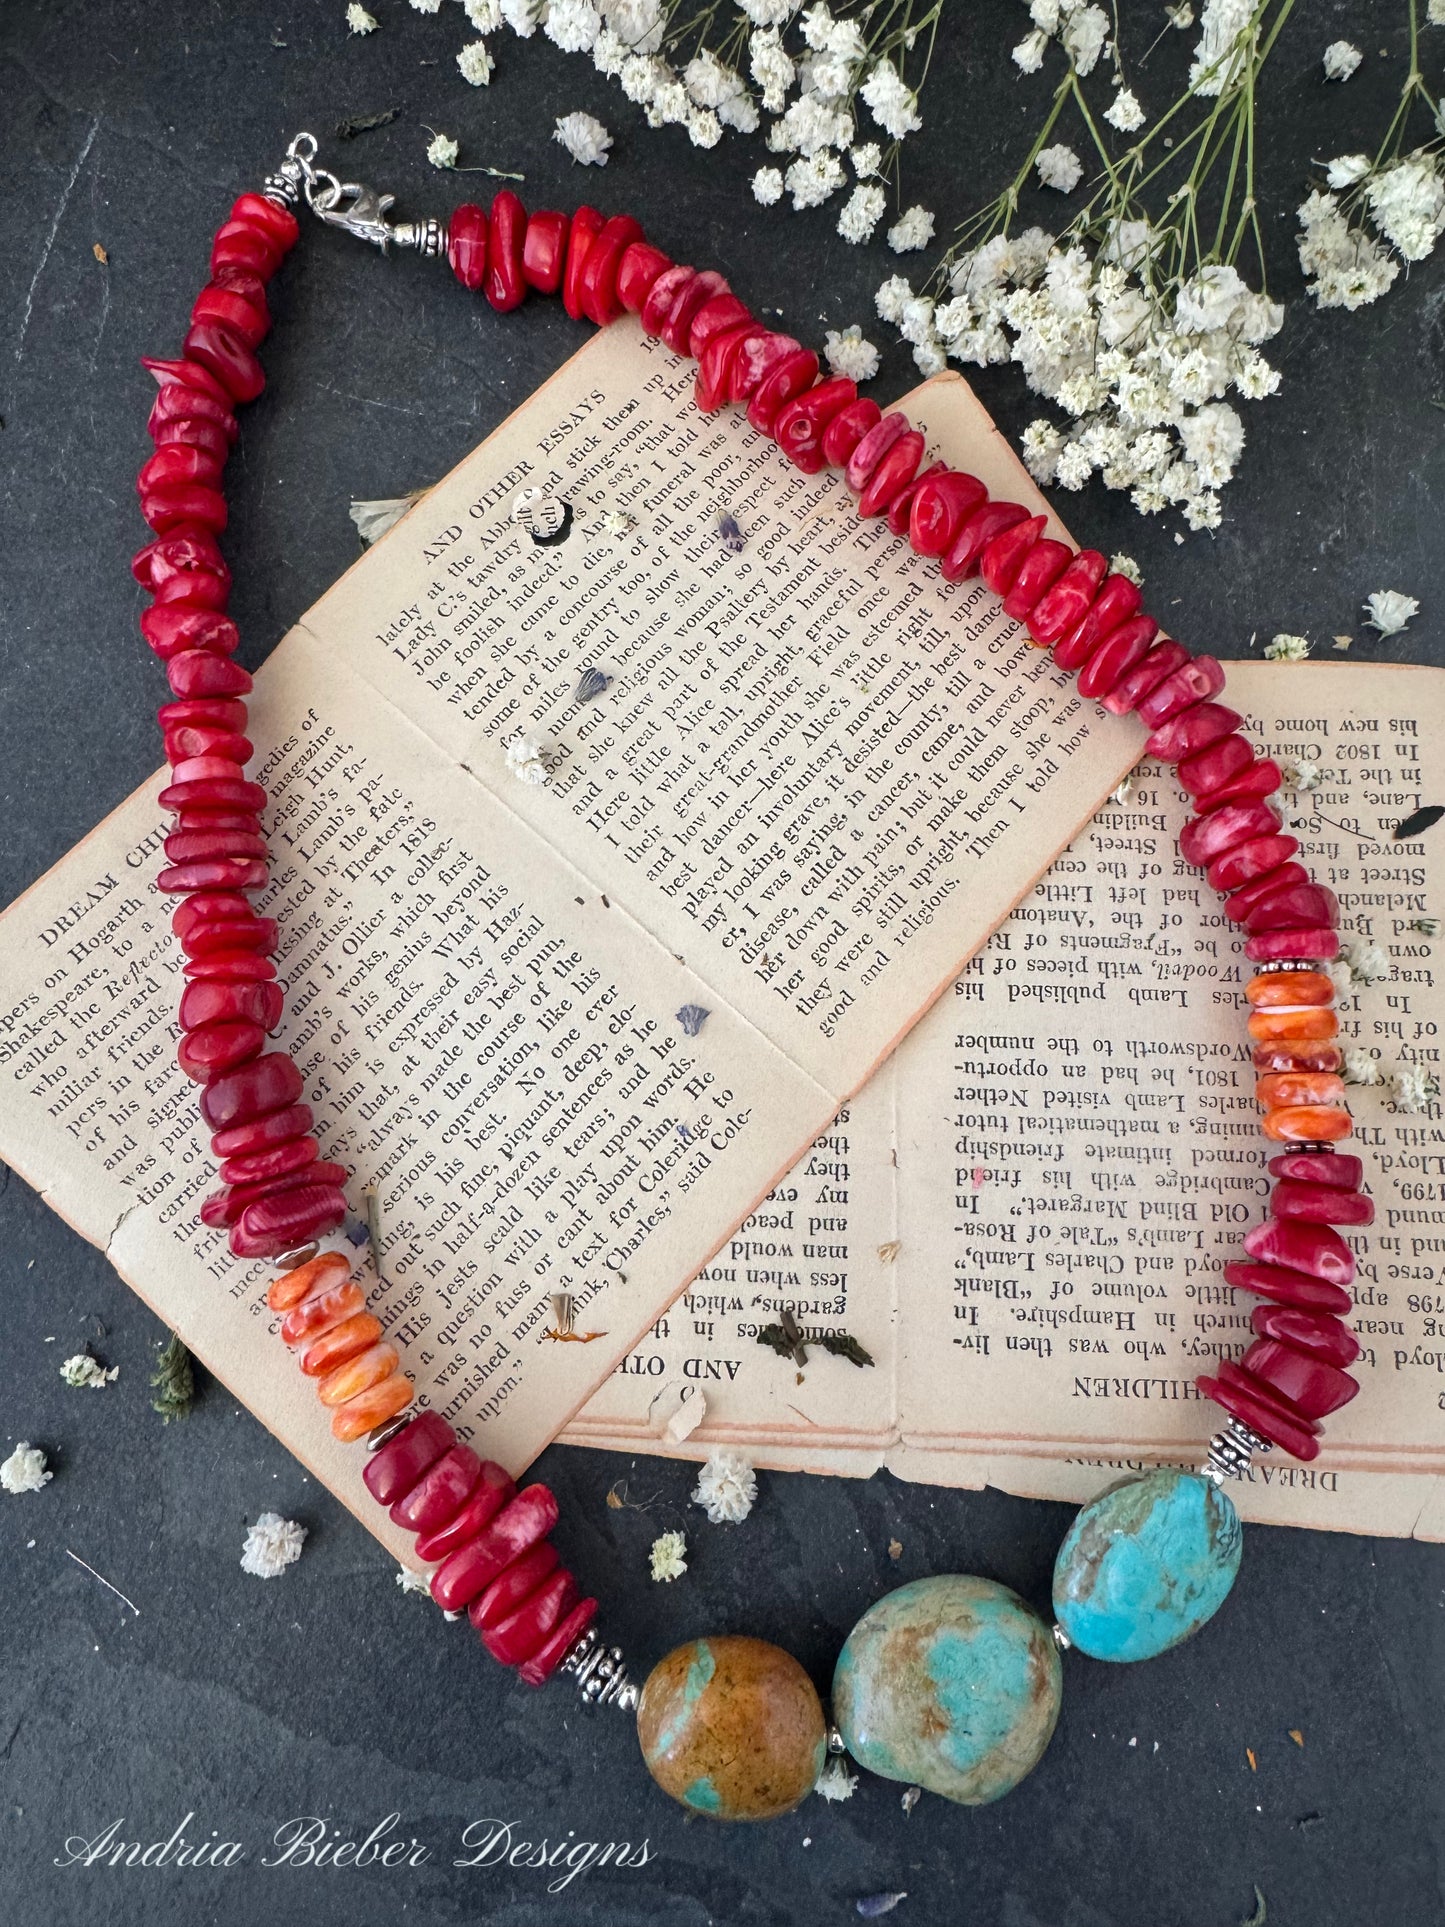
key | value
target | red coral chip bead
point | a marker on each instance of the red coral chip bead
(467, 244)
(171, 627)
(1204, 838)
(537, 1670)
(756, 358)
(1193, 729)
(977, 532)
(222, 350)
(505, 285)
(1292, 907)
(180, 402)
(1315, 1203)
(1067, 602)
(441, 1493)
(601, 301)
(218, 1047)
(1247, 862)
(585, 225)
(391, 1471)
(239, 244)
(1243, 900)
(1004, 556)
(213, 792)
(871, 449)
(205, 712)
(215, 873)
(660, 296)
(1122, 650)
(1198, 679)
(1212, 768)
(1129, 691)
(714, 367)
(896, 470)
(217, 1002)
(494, 1490)
(1117, 602)
(273, 219)
(287, 1218)
(1041, 569)
(544, 250)
(1316, 944)
(248, 321)
(178, 463)
(277, 1127)
(212, 939)
(234, 966)
(900, 509)
(1310, 1331)
(202, 589)
(689, 297)
(791, 376)
(188, 375)
(239, 1197)
(1313, 1248)
(1262, 778)
(1311, 1384)
(208, 906)
(640, 266)
(167, 508)
(520, 1524)
(1262, 1415)
(800, 424)
(203, 739)
(277, 1161)
(199, 673)
(223, 1208)
(716, 317)
(176, 557)
(517, 1583)
(1339, 1169)
(206, 769)
(185, 846)
(847, 429)
(1287, 1287)
(270, 1084)
(517, 1638)
(191, 432)
(941, 505)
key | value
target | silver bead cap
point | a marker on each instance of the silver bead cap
(601, 1673)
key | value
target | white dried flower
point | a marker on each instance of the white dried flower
(526, 761)
(704, 129)
(929, 357)
(427, 6)
(850, 354)
(1126, 114)
(1435, 13)
(1348, 269)
(892, 297)
(867, 160)
(1125, 565)
(572, 25)
(668, 1561)
(272, 1544)
(358, 20)
(1180, 16)
(835, 1782)
(25, 1469)
(1041, 444)
(1361, 1067)
(443, 151)
(1284, 648)
(1060, 167)
(1341, 60)
(911, 231)
(768, 13)
(83, 1370)
(813, 179)
(1028, 55)
(584, 138)
(1407, 200)
(1085, 35)
(1224, 30)
(475, 64)
(1365, 961)
(1412, 1088)
(522, 16)
(1302, 775)
(768, 186)
(485, 16)
(1388, 611)
(410, 1581)
(1213, 439)
(892, 103)
(1345, 169)
(862, 211)
(726, 1488)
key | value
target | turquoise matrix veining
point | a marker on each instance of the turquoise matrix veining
(1146, 1564)
(952, 1684)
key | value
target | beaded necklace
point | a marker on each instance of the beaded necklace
(952, 1683)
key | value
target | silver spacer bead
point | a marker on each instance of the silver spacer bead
(1061, 1638)
(1312, 1148)
(428, 237)
(298, 1256)
(836, 1742)
(1231, 1451)
(1288, 963)
(600, 1673)
(286, 183)
(380, 1434)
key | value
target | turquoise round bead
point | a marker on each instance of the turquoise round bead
(952, 1684)
(1146, 1564)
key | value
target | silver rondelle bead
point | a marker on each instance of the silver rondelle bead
(299, 1255)
(428, 237)
(600, 1673)
(380, 1434)
(1287, 963)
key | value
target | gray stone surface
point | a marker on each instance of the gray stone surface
(329, 1692)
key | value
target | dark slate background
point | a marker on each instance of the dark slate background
(329, 1692)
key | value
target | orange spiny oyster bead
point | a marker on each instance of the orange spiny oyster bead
(1312, 1021)
(1307, 1124)
(321, 1311)
(1282, 1055)
(292, 1286)
(384, 1400)
(342, 1342)
(358, 1374)
(1274, 987)
(1286, 1088)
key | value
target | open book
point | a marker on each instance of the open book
(579, 1036)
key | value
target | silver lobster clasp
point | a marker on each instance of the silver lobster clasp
(358, 209)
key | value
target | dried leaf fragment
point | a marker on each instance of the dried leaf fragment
(100, 254)
(1417, 824)
(1296, 1736)
(887, 1253)
(1260, 1914)
(1253, 1762)
(895, 1549)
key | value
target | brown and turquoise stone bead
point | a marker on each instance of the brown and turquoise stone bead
(732, 1727)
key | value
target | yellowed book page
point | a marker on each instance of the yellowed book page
(821, 773)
